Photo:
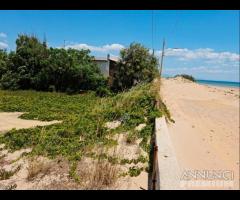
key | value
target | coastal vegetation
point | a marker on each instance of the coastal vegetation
(136, 65)
(66, 85)
(186, 76)
(35, 66)
(82, 128)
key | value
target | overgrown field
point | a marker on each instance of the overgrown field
(83, 119)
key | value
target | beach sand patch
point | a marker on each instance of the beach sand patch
(10, 120)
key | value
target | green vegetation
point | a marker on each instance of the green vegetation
(136, 65)
(11, 187)
(4, 175)
(186, 76)
(135, 171)
(35, 66)
(73, 91)
(140, 159)
(83, 119)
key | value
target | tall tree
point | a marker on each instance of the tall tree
(136, 65)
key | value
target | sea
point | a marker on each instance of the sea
(220, 83)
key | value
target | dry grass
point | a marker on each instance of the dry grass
(131, 138)
(36, 167)
(2, 161)
(95, 174)
(56, 185)
(4, 174)
(104, 175)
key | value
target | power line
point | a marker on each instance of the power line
(153, 31)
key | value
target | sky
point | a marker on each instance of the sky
(204, 44)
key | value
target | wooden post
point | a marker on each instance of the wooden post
(154, 177)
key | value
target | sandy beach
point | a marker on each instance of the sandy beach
(205, 134)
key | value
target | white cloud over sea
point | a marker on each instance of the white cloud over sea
(203, 63)
(202, 53)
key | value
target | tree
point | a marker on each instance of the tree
(136, 65)
(34, 66)
(3, 62)
(70, 70)
(29, 59)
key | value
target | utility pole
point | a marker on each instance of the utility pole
(64, 44)
(152, 33)
(162, 58)
(44, 41)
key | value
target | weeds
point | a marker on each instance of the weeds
(135, 171)
(140, 159)
(83, 118)
(4, 175)
(104, 175)
(131, 138)
(37, 167)
(11, 187)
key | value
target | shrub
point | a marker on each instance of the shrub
(135, 171)
(131, 137)
(103, 92)
(4, 175)
(3, 62)
(136, 65)
(186, 76)
(34, 66)
(9, 80)
(104, 175)
(36, 167)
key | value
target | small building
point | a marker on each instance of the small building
(108, 66)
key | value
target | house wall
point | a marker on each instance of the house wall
(104, 67)
(112, 70)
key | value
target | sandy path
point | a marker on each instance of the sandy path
(205, 134)
(10, 120)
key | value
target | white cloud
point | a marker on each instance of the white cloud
(3, 45)
(104, 48)
(205, 54)
(3, 35)
(200, 69)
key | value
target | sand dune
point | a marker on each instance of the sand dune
(205, 134)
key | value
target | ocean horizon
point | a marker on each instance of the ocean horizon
(219, 83)
(212, 82)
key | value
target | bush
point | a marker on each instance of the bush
(3, 62)
(103, 92)
(34, 66)
(9, 80)
(186, 76)
(135, 171)
(136, 65)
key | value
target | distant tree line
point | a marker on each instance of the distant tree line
(35, 66)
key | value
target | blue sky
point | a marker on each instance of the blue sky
(207, 41)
